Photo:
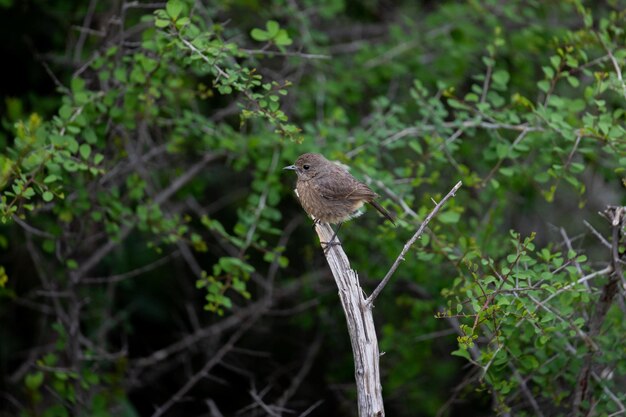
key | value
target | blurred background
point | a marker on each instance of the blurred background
(154, 260)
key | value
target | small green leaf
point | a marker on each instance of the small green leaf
(34, 380)
(85, 150)
(161, 23)
(90, 136)
(28, 192)
(259, 35)
(501, 77)
(47, 196)
(272, 28)
(174, 8)
(449, 217)
(544, 86)
(65, 112)
(282, 38)
(77, 84)
(48, 246)
(463, 353)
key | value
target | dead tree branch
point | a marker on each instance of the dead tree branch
(360, 327)
(407, 246)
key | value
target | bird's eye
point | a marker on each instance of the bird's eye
(306, 166)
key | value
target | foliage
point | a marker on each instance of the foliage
(155, 191)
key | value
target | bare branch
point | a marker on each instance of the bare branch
(311, 408)
(407, 246)
(360, 327)
(83, 33)
(302, 373)
(32, 230)
(618, 71)
(597, 234)
(261, 205)
(287, 53)
(213, 410)
(202, 373)
(617, 218)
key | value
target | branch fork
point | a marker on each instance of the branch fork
(358, 311)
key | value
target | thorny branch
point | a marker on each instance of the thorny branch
(617, 218)
(409, 244)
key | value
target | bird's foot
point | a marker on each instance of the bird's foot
(328, 245)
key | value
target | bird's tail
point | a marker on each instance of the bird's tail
(382, 211)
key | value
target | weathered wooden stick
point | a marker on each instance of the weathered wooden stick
(360, 327)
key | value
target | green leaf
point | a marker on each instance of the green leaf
(471, 97)
(272, 28)
(449, 217)
(48, 246)
(72, 144)
(544, 85)
(85, 150)
(90, 136)
(34, 380)
(573, 81)
(259, 35)
(555, 61)
(463, 353)
(161, 23)
(65, 112)
(77, 84)
(548, 71)
(174, 8)
(501, 77)
(282, 39)
(28, 192)
(47, 196)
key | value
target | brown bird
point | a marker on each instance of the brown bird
(328, 193)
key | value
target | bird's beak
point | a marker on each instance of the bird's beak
(290, 167)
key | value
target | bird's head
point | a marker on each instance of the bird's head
(308, 165)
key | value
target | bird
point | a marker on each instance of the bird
(329, 193)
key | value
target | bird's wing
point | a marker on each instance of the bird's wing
(347, 188)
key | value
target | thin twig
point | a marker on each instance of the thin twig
(279, 53)
(83, 33)
(311, 408)
(32, 230)
(568, 244)
(302, 373)
(213, 410)
(198, 376)
(486, 83)
(616, 216)
(618, 71)
(597, 234)
(474, 123)
(407, 246)
(579, 281)
(262, 202)
(220, 71)
(523, 386)
(133, 273)
(160, 198)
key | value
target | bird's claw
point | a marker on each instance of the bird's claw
(328, 245)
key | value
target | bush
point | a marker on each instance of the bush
(156, 189)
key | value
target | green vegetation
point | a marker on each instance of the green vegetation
(153, 258)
